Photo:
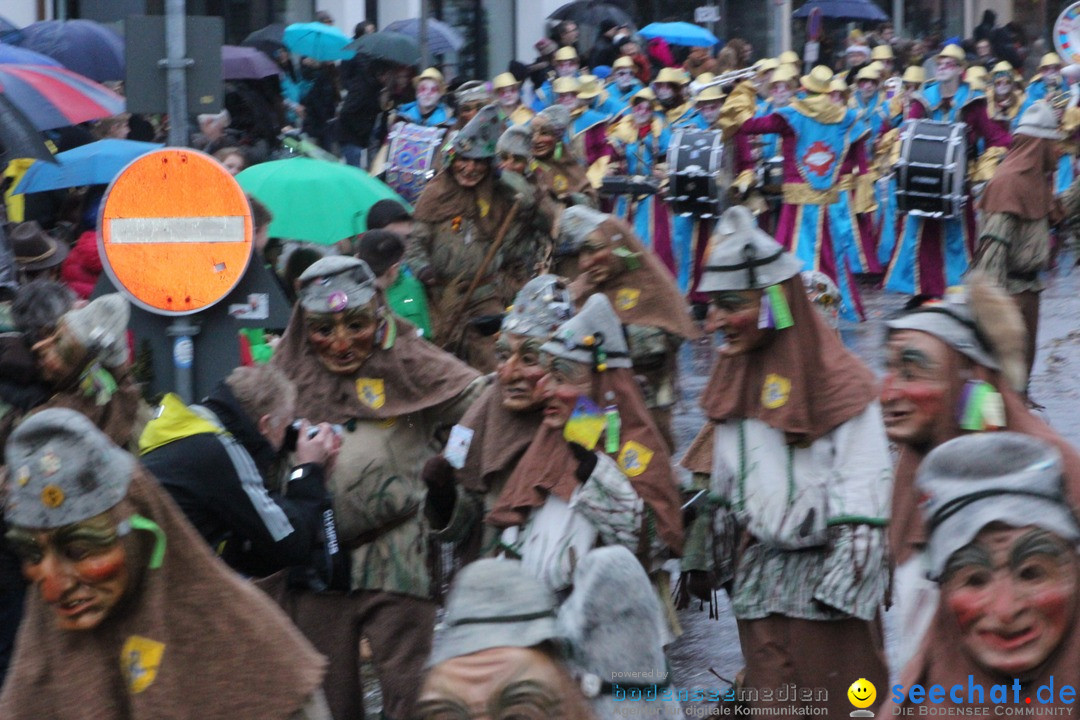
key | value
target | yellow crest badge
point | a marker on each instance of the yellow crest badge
(775, 391)
(371, 392)
(140, 659)
(627, 298)
(560, 183)
(634, 458)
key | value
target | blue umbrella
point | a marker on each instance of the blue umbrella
(317, 41)
(96, 163)
(680, 33)
(87, 47)
(9, 31)
(843, 10)
(441, 37)
(21, 56)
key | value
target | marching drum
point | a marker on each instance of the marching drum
(410, 162)
(932, 168)
(771, 175)
(699, 172)
(629, 185)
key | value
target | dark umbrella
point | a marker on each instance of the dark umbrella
(245, 63)
(386, 45)
(18, 136)
(9, 31)
(269, 39)
(442, 38)
(843, 10)
(592, 12)
(87, 47)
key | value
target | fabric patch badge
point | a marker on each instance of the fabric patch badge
(371, 392)
(52, 496)
(634, 458)
(140, 659)
(627, 298)
(775, 391)
(560, 183)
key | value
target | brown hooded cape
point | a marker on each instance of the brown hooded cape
(1022, 184)
(229, 651)
(415, 375)
(548, 466)
(500, 438)
(645, 295)
(829, 385)
(443, 198)
(907, 530)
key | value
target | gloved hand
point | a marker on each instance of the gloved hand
(586, 461)
(426, 275)
(438, 475)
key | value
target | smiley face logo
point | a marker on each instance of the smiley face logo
(862, 694)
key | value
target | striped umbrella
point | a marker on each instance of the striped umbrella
(14, 54)
(55, 97)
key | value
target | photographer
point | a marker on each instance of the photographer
(218, 461)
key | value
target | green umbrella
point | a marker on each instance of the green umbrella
(315, 200)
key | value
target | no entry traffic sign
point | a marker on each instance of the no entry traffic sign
(175, 233)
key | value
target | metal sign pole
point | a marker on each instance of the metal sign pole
(424, 56)
(176, 65)
(183, 330)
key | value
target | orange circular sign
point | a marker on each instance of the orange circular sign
(175, 233)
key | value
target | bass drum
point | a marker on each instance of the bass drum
(699, 172)
(410, 161)
(932, 168)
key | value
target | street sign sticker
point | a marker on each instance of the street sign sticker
(707, 13)
(175, 233)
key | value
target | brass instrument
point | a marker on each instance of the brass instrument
(724, 79)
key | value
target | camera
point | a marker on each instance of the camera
(292, 434)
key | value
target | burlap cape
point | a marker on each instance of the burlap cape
(1022, 183)
(409, 373)
(227, 650)
(548, 466)
(828, 385)
(500, 438)
(644, 294)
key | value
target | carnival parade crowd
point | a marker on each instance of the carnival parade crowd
(456, 466)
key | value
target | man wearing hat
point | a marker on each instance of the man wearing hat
(883, 54)
(500, 425)
(797, 455)
(459, 218)
(37, 253)
(500, 650)
(1002, 548)
(129, 613)
(507, 89)
(932, 254)
(560, 174)
(84, 360)
(357, 365)
(640, 144)
(573, 490)
(1014, 238)
(1004, 101)
(428, 109)
(1049, 85)
(589, 120)
(623, 82)
(566, 65)
(952, 368)
(670, 87)
(815, 136)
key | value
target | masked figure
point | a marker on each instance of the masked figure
(394, 394)
(129, 614)
(1002, 549)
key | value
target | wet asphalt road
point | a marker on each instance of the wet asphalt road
(710, 648)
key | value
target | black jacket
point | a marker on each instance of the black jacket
(221, 487)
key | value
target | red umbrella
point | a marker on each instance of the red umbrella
(55, 97)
